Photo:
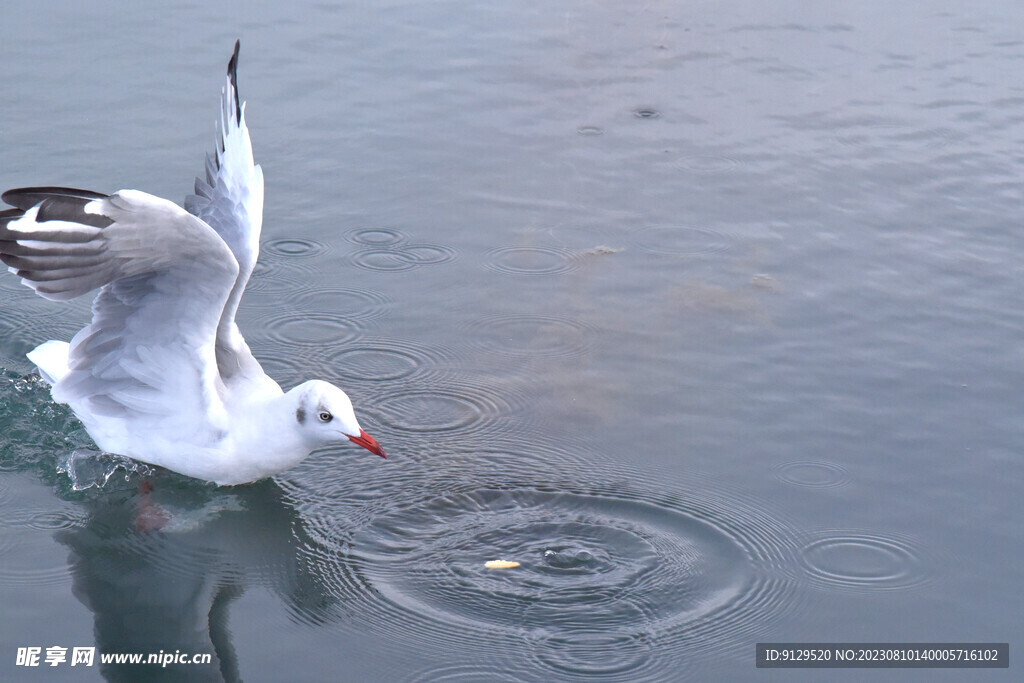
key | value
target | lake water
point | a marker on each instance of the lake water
(708, 314)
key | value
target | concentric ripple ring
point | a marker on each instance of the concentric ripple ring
(531, 260)
(863, 561)
(603, 583)
(812, 474)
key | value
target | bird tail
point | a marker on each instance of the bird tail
(52, 360)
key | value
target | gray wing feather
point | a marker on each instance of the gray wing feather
(164, 277)
(230, 200)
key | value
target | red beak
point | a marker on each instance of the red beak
(368, 442)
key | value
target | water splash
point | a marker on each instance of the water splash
(93, 469)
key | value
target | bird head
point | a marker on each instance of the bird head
(324, 413)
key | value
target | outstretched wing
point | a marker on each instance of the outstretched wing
(230, 200)
(164, 275)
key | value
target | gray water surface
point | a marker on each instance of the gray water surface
(708, 314)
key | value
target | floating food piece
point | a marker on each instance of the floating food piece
(500, 564)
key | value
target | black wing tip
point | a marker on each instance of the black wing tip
(25, 198)
(233, 62)
(54, 204)
(233, 75)
(6, 216)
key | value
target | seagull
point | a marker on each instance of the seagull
(162, 373)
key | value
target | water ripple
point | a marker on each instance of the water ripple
(276, 288)
(389, 250)
(294, 247)
(27, 563)
(812, 474)
(385, 360)
(427, 254)
(382, 260)
(312, 330)
(350, 302)
(619, 578)
(266, 275)
(402, 257)
(531, 260)
(597, 653)
(463, 410)
(33, 324)
(376, 237)
(468, 673)
(646, 113)
(529, 335)
(606, 579)
(863, 561)
(52, 520)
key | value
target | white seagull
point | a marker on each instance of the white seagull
(162, 373)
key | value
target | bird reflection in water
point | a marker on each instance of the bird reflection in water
(160, 567)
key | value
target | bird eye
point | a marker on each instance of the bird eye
(325, 416)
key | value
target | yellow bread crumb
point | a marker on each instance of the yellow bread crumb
(500, 564)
